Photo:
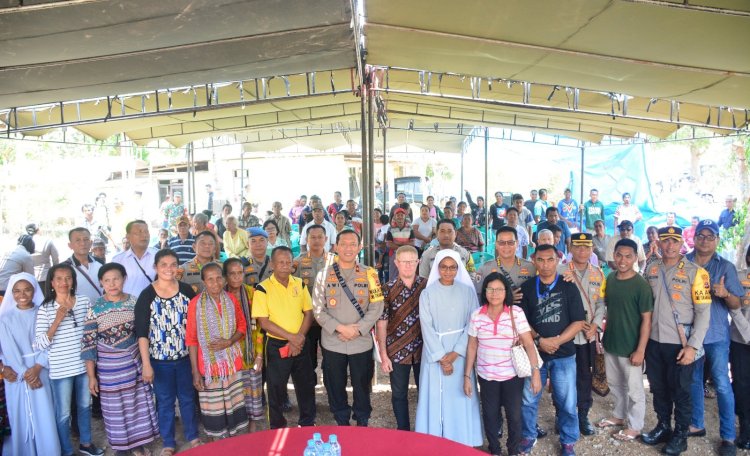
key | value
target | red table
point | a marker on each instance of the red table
(355, 441)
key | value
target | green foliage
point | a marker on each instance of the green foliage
(732, 237)
(429, 172)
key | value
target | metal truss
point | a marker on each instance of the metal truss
(174, 101)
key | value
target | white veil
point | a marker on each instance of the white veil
(9, 302)
(462, 276)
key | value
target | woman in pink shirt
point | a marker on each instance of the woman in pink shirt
(492, 333)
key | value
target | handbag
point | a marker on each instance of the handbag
(599, 383)
(518, 356)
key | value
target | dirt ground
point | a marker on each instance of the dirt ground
(598, 445)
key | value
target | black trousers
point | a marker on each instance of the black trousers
(313, 341)
(508, 395)
(739, 360)
(335, 375)
(584, 363)
(278, 370)
(670, 383)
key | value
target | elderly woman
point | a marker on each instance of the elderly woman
(161, 325)
(468, 236)
(493, 330)
(235, 239)
(215, 327)
(109, 343)
(252, 349)
(445, 308)
(274, 238)
(26, 372)
(59, 332)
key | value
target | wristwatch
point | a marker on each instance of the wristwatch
(536, 340)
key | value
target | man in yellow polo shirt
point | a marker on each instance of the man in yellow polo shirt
(283, 307)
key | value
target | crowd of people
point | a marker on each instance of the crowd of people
(219, 314)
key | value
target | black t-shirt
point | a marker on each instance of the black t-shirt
(559, 307)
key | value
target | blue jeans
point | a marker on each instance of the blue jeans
(717, 357)
(400, 393)
(173, 380)
(562, 374)
(62, 395)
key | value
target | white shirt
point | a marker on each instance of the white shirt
(137, 280)
(523, 240)
(610, 254)
(91, 289)
(424, 228)
(330, 232)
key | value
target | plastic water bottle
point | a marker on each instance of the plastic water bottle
(318, 440)
(335, 446)
(326, 450)
(310, 450)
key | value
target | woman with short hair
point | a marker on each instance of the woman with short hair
(110, 350)
(235, 239)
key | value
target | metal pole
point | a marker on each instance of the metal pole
(242, 179)
(461, 190)
(581, 227)
(486, 187)
(385, 173)
(367, 227)
(365, 174)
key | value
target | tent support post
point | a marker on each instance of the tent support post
(367, 210)
(364, 173)
(461, 190)
(486, 185)
(385, 171)
(583, 152)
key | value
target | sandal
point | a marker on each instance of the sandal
(623, 436)
(167, 451)
(195, 443)
(607, 423)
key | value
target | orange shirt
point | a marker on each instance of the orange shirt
(191, 337)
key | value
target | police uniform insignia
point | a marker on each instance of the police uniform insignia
(195, 288)
(361, 301)
(306, 281)
(676, 296)
(582, 237)
(677, 286)
(333, 291)
(524, 271)
(361, 292)
(305, 273)
(332, 302)
(670, 230)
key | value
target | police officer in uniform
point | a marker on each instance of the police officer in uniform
(516, 270)
(205, 249)
(682, 298)
(306, 267)
(258, 265)
(590, 281)
(347, 302)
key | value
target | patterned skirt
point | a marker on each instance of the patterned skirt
(252, 384)
(127, 403)
(223, 407)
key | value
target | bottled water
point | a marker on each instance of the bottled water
(326, 450)
(318, 439)
(335, 446)
(310, 450)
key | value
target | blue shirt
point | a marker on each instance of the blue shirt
(568, 210)
(561, 246)
(183, 248)
(718, 267)
(726, 219)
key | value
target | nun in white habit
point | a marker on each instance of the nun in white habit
(445, 308)
(28, 392)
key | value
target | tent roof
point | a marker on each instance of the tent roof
(627, 55)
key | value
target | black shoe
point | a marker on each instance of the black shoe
(584, 425)
(660, 434)
(698, 433)
(540, 433)
(727, 449)
(743, 443)
(677, 444)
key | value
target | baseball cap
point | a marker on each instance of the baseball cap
(625, 224)
(400, 210)
(183, 219)
(707, 224)
(98, 242)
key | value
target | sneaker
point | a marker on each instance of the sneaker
(526, 445)
(568, 449)
(90, 450)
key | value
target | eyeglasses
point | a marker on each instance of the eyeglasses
(495, 290)
(703, 237)
(73, 316)
(408, 263)
(508, 243)
(626, 229)
(449, 268)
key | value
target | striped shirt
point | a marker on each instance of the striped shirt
(64, 349)
(495, 339)
(183, 248)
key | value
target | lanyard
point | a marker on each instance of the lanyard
(543, 297)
